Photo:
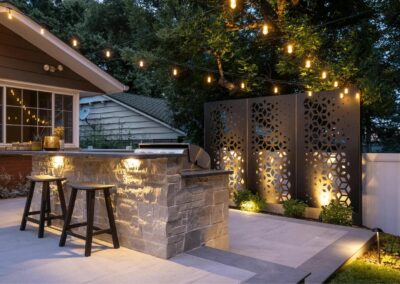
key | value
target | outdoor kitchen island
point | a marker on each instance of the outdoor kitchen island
(164, 204)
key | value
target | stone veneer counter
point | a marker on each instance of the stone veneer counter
(161, 208)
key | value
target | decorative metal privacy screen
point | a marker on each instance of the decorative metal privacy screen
(291, 146)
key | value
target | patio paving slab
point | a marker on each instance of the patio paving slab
(264, 249)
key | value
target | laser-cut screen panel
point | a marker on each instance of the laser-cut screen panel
(271, 147)
(226, 141)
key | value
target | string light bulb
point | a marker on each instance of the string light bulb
(276, 90)
(74, 42)
(341, 95)
(265, 29)
(357, 96)
(108, 53)
(346, 90)
(336, 84)
(10, 16)
(309, 93)
(209, 79)
(232, 4)
(289, 48)
(175, 72)
(324, 74)
(141, 63)
(242, 85)
(42, 31)
(308, 63)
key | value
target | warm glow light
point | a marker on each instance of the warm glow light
(341, 95)
(309, 93)
(10, 16)
(141, 64)
(324, 75)
(42, 31)
(325, 198)
(108, 53)
(175, 72)
(357, 96)
(74, 42)
(346, 90)
(265, 29)
(336, 84)
(209, 79)
(249, 206)
(57, 161)
(232, 4)
(276, 90)
(308, 63)
(132, 163)
(290, 48)
(242, 85)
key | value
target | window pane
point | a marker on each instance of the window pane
(13, 134)
(64, 115)
(58, 102)
(29, 116)
(68, 102)
(44, 117)
(14, 97)
(68, 135)
(13, 115)
(29, 98)
(44, 100)
(28, 133)
(44, 131)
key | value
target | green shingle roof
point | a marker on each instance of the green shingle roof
(155, 107)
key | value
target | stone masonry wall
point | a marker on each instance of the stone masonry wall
(157, 211)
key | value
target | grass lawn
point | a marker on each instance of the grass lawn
(366, 269)
(361, 271)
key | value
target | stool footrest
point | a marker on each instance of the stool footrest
(104, 231)
(76, 225)
(34, 213)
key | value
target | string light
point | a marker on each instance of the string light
(308, 63)
(309, 93)
(108, 53)
(341, 95)
(265, 29)
(242, 85)
(209, 79)
(346, 90)
(232, 4)
(357, 96)
(276, 90)
(175, 72)
(42, 31)
(336, 84)
(74, 42)
(289, 48)
(10, 16)
(324, 74)
(141, 64)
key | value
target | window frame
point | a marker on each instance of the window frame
(49, 89)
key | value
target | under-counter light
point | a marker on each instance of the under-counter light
(132, 164)
(57, 161)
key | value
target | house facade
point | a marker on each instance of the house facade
(42, 80)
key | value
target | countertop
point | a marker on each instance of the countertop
(89, 153)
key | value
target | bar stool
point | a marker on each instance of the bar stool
(90, 189)
(45, 208)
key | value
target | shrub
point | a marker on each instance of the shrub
(294, 208)
(248, 201)
(335, 213)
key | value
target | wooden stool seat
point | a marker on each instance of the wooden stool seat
(45, 208)
(90, 188)
(45, 178)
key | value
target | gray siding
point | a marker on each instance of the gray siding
(119, 123)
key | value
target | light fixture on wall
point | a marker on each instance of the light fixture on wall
(53, 69)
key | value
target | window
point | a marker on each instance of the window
(64, 115)
(29, 113)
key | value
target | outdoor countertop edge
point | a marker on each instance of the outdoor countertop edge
(203, 173)
(89, 153)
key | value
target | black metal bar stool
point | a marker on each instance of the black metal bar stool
(90, 189)
(45, 208)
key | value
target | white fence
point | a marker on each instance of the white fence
(381, 192)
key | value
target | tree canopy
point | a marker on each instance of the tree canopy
(355, 42)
